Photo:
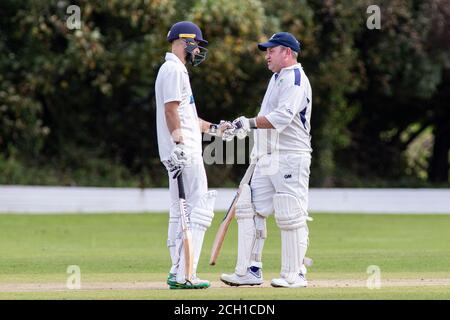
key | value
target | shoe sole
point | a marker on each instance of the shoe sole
(279, 286)
(240, 284)
(183, 286)
(188, 288)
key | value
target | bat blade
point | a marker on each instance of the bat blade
(187, 242)
(186, 230)
(222, 231)
(188, 254)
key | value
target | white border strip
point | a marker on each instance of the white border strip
(37, 199)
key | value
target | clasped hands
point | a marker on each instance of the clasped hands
(227, 130)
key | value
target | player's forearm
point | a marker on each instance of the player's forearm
(263, 123)
(245, 124)
(173, 120)
(204, 125)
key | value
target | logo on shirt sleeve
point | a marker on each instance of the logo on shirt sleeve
(191, 101)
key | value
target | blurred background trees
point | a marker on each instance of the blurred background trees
(77, 106)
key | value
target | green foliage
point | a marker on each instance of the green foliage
(85, 89)
(93, 172)
(21, 128)
(405, 66)
(234, 62)
(77, 106)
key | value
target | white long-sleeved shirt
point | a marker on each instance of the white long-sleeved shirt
(287, 105)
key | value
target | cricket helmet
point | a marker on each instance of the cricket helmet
(186, 30)
(192, 35)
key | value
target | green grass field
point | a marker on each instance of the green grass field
(122, 255)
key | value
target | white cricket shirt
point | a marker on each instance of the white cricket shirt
(287, 105)
(172, 84)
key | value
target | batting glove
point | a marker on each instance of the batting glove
(229, 134)
(218, 130)
(243, 126)
(177, 161)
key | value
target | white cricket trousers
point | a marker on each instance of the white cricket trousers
(195, 186)
(280, 173)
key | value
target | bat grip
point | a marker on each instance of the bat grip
(181, 193)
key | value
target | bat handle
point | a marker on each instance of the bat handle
(181, 193)
(248, 174)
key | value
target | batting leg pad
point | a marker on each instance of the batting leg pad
(294, 234)
(200, 219)
(246, 229)
(261, 235)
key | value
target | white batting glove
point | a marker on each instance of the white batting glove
(225, 125)
(218, 130)
(177, 161)
(243, 126)
(229, 134)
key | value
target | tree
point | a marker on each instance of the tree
(404, 65)
(79, 105)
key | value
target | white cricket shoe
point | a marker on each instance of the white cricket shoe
(251, 278)
(282, 283)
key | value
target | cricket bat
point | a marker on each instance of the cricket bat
(223, 228)
(186, 230)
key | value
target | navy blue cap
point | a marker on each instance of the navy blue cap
(186, 29)
(281, 39)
